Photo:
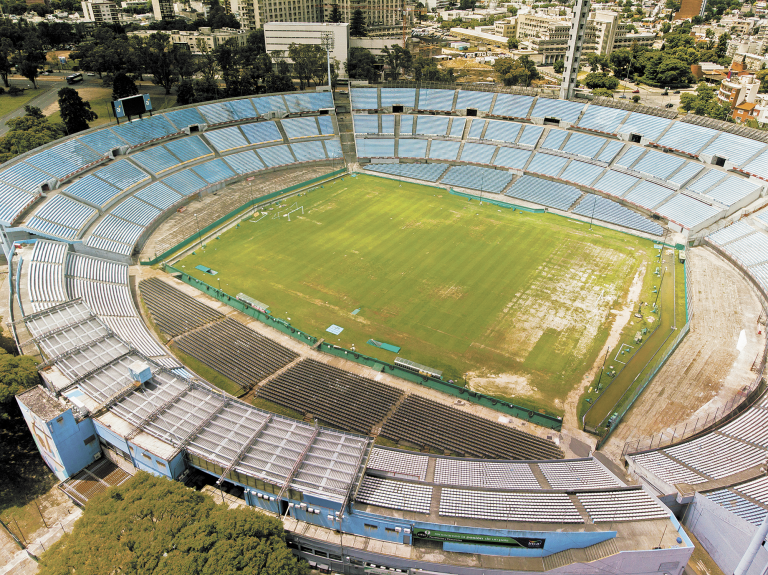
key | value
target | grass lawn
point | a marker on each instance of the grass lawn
(10, 103)
(521, 301)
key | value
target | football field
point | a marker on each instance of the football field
(521, 302)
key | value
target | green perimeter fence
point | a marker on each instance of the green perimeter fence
(517, 411)
(222, 220)
(627, 400)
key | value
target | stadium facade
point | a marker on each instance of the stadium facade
(75, 212)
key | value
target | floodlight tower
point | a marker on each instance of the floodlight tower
(326, 41)
(575, 45)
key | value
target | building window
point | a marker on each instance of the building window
(160, 464)
(369, 527)
(390, 531)
(147, 457)
(89, 440)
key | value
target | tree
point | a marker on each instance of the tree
(160, 61)
(278, 83)
(6, 52)
(512, 44)
(27, 133)
(601, 80)
(123, 86)
(361, 65)
(426, 70)
(156, 526)
(512, 10)
(185, 93)
(185, 63)
(519, 72)
(308, 62)
(602, 92)
(335, 14)
(559, 66)
(75, 113)
(17, 373)
(357, 26)
(398, 59)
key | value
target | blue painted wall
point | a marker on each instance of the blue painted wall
(110, 436)
(149, 462)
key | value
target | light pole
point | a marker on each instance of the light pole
(326, 41)
(592, 217)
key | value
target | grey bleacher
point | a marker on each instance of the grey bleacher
(478, 178)
(136, 211)
(261, 132)
(615, 183)
(103, 298)
(394, 494)
(156, 160)
(45, 284)
(477, 153)
(717, 456)
(648, 194)
(732, 189)
(738, 505)
(245, 162)
(366, 123)
(476, 100)
(266, 104)
(243, 109)
(121, 235)
(749, 426)
(484, 474)
(364, 98)
(13, 202)
(220, 113)
(141, 131)
(411, 465)
(706, 181)
(308, 151)
(189, 149)
(457, 127)
(630, 156)
(24, 177)
(666, 469)
(439, 100)
(609, 152)
(759, 166)
(303, 127)
(732, 232)
(563, 110)
(583, 145)
(185, 118)
(686, 173)
(225, 139)
(761, 273)
(606, 210)
(214, 171)
(379, 148)
(102, 141)
(629, 505)
(581, 173)
(387, 123)
(476, 127)
(751, 249)
(432, 125)
(512, 158)
(96, 269)
(398, 97)
(406, 125)
(64, 159)
(578, 474)
(444, 150)
(411, 148)
(554, 139)
(762, 217)
(685, 137)
(132, 329)
(308, 102)
(185, 182)
(757, 489)
(687, 211)
(602, 119)
(333, 148)
(512, 106)
(50, 252)
(530, 136)
(499, 130)
(737, 149)
(650, 127)
(535, 507)
(425, 172)
(544, 192)
(547, 164)
(62, 217)
(93, 191)
(279, 155)
(658, 164)
(122, 174)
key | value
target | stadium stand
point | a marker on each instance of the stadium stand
(689, 171)
(544, 192)
(630, 156)
(734, 148)
(425, 172)
(457, 127)
(332, 395)
(477, 178)
(604, 120)
(14, 202)
(274, 156)
(406, 125)
(512, 106)
(226, 139)
(436, 100)
(686, 138)
(658, 165)
(266, 105)
(214, 171)
(308, 102)
(156, 160)
(379, 148)
(93, 191)
(25, 178)
(245, 162)
(530, 136)
(405, 97)
(304, 127)
(509, 506)
(365, 99)
(687, 211)
(173, 311)
(387, 123)
(366, 123)
(444, 150)
(262, 133)
(394, 494)
(64, 160)
(731, 190)
(308, 151)
(500, 131)
(578, 474)
(738, 505)
(615, 183)
(122, 174)
(484, 474)
(242, 355)
(751, 249)
(45, 279)
(144, 131)
(477, 153)
(185, 118)
(62, 217)
(729, 233)
(626, 505)
(606, 210)
(756, 167)
(480, 101)
(412, 148)
(554, 139)
(191, 149)
(581, 173)
(583, 145)
(102, 141)
(647, 194)
(610, 151)
(547, 164)
(399, 463)
(432, 125)
(563, 110)
(650, 127)
(512, 158)
(479, 437)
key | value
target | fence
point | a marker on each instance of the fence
(734, 407)
(517, 411)
(249, 204)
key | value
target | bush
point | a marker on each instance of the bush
(635, 98)
(14, 90)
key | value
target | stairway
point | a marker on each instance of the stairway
(346, 129)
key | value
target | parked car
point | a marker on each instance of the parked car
(637, 91)
(676, 92)
(90, 73)
(670, 105)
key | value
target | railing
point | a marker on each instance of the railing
(732, 408)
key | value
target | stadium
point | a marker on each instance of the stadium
(155, 267)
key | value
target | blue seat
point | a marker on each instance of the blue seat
(122, 174)
(189, 149)
(478, 178)
(185, 182)
(245, 162)
(262, 132)
(185, 118)
(225, 139)
(214, 171)
(544, 192)
(279, 155)
(425, 172)
(159, 195)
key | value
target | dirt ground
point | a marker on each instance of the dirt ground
(707, 369)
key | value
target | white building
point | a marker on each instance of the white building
(163, 9)
(278, 36)
(101, 12)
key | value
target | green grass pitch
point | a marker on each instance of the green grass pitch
(520, 301)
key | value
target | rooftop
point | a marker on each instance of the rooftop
(41, 403)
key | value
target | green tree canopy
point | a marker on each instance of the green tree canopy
(516, 72)
(151, 525)
(17, 373)
(601, 80)
(398, 59)
(357, 26)
(308, 62)
(75, 113)
(426, 70)
(123, 86)
(559, 66)
(361, 65)
(335, 16)
(27, 133)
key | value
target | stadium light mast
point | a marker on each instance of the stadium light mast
(575, 45)
(326, 41)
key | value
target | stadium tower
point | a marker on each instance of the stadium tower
(575, 43)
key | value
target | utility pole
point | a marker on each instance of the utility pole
(326, 41)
